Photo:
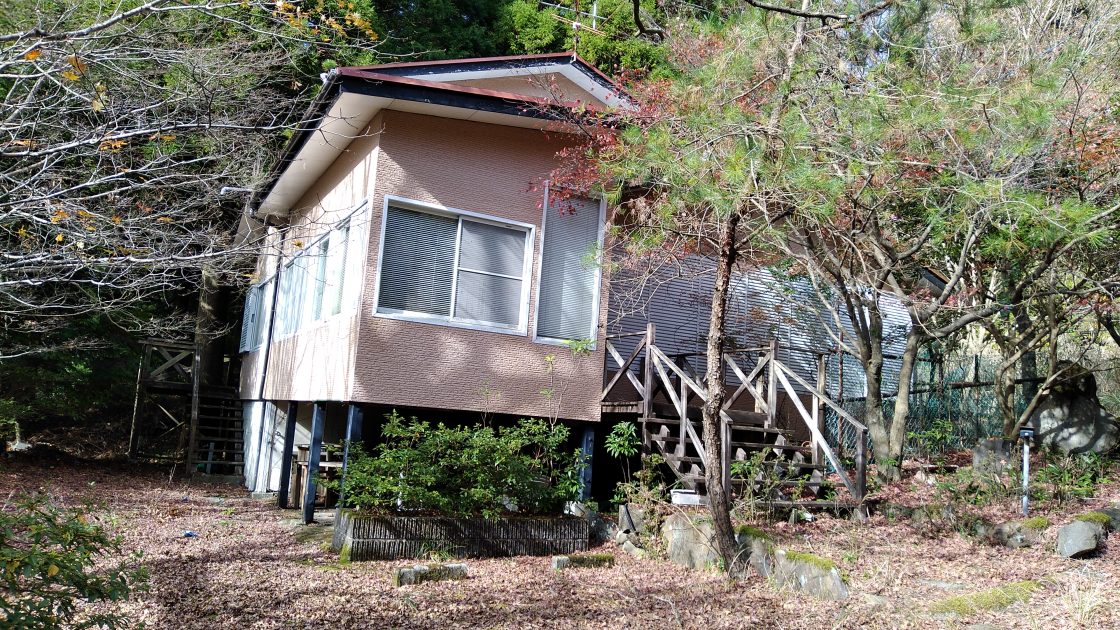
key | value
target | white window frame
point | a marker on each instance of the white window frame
(451, 321)
(593, 334)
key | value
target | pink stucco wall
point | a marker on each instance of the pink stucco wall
(458, 164)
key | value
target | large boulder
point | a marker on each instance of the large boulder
(690, 541)
(1071, 419)
(1079, 539)
(808, 573)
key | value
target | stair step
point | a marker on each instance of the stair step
(810, 504)
(785, 447)
(734, 427)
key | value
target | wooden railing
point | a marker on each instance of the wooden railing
(651, 372)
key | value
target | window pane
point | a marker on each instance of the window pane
(568, 280)
(320, 282)
(336, 273)
(492, 249)
(486, 298)
(418, 262)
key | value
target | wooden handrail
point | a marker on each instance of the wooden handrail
(631, 334)
(825, 399)
(780, 372)
(623, 370)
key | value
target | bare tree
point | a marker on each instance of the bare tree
(127, 134)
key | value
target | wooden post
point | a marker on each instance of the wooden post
(772, 386)
(818, 409)
(725, 455)
(354, 419)
(286, 454)
(861, 464)
(318, 419)
(647, 386)
(587, 450)
(196, 384)
(134, 434)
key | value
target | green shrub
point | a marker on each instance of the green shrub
(1066, 477)
(464, 471)
(47, 558)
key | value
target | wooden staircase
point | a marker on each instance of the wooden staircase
(177, 418)
(758, 459)
(219, 435)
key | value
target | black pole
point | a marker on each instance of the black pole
(318, 417)
(286, 455)
(353, 434)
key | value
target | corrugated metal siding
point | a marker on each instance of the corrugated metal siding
(764, 305)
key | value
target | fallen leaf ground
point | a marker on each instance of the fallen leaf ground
(252, 566)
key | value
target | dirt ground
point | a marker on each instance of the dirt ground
(252, 566)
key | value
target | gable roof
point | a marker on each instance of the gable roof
(463, 89)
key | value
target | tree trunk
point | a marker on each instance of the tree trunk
(901, 411)
(212, 305)
(719, 499)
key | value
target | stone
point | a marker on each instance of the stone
(407, 576)
(991, 457)
(634, 550)
(1019, 534)
(601, 530)
(876, 601)
(690, 541)
(1113, 514)
(810, 574)
(583, 560)
(1070, 419)
(761, 557)
(1079, 539)
(932, 519)
(623, 536)
(631, 518)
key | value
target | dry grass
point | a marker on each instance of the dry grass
(248, 568)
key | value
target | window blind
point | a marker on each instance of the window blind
(569, 278)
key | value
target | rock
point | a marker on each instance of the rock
(932, 519)
(690, 541)
(582, 560)
(634, 550)
(1079, 539)
(421, 573)
(631, 518)
(925, 478)
(761, 557)
(811, 574)
(1070, 419)
(991, 457)
(876, 601)
(1113, 514)
(1019, 534)
(601, 529)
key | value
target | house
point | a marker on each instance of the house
(411, 257)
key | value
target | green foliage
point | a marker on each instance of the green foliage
(464, 471)
(526, 27)
(937, 438)
(1067, 477)
(1036, 523)
(48, 564)
(623, 440)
